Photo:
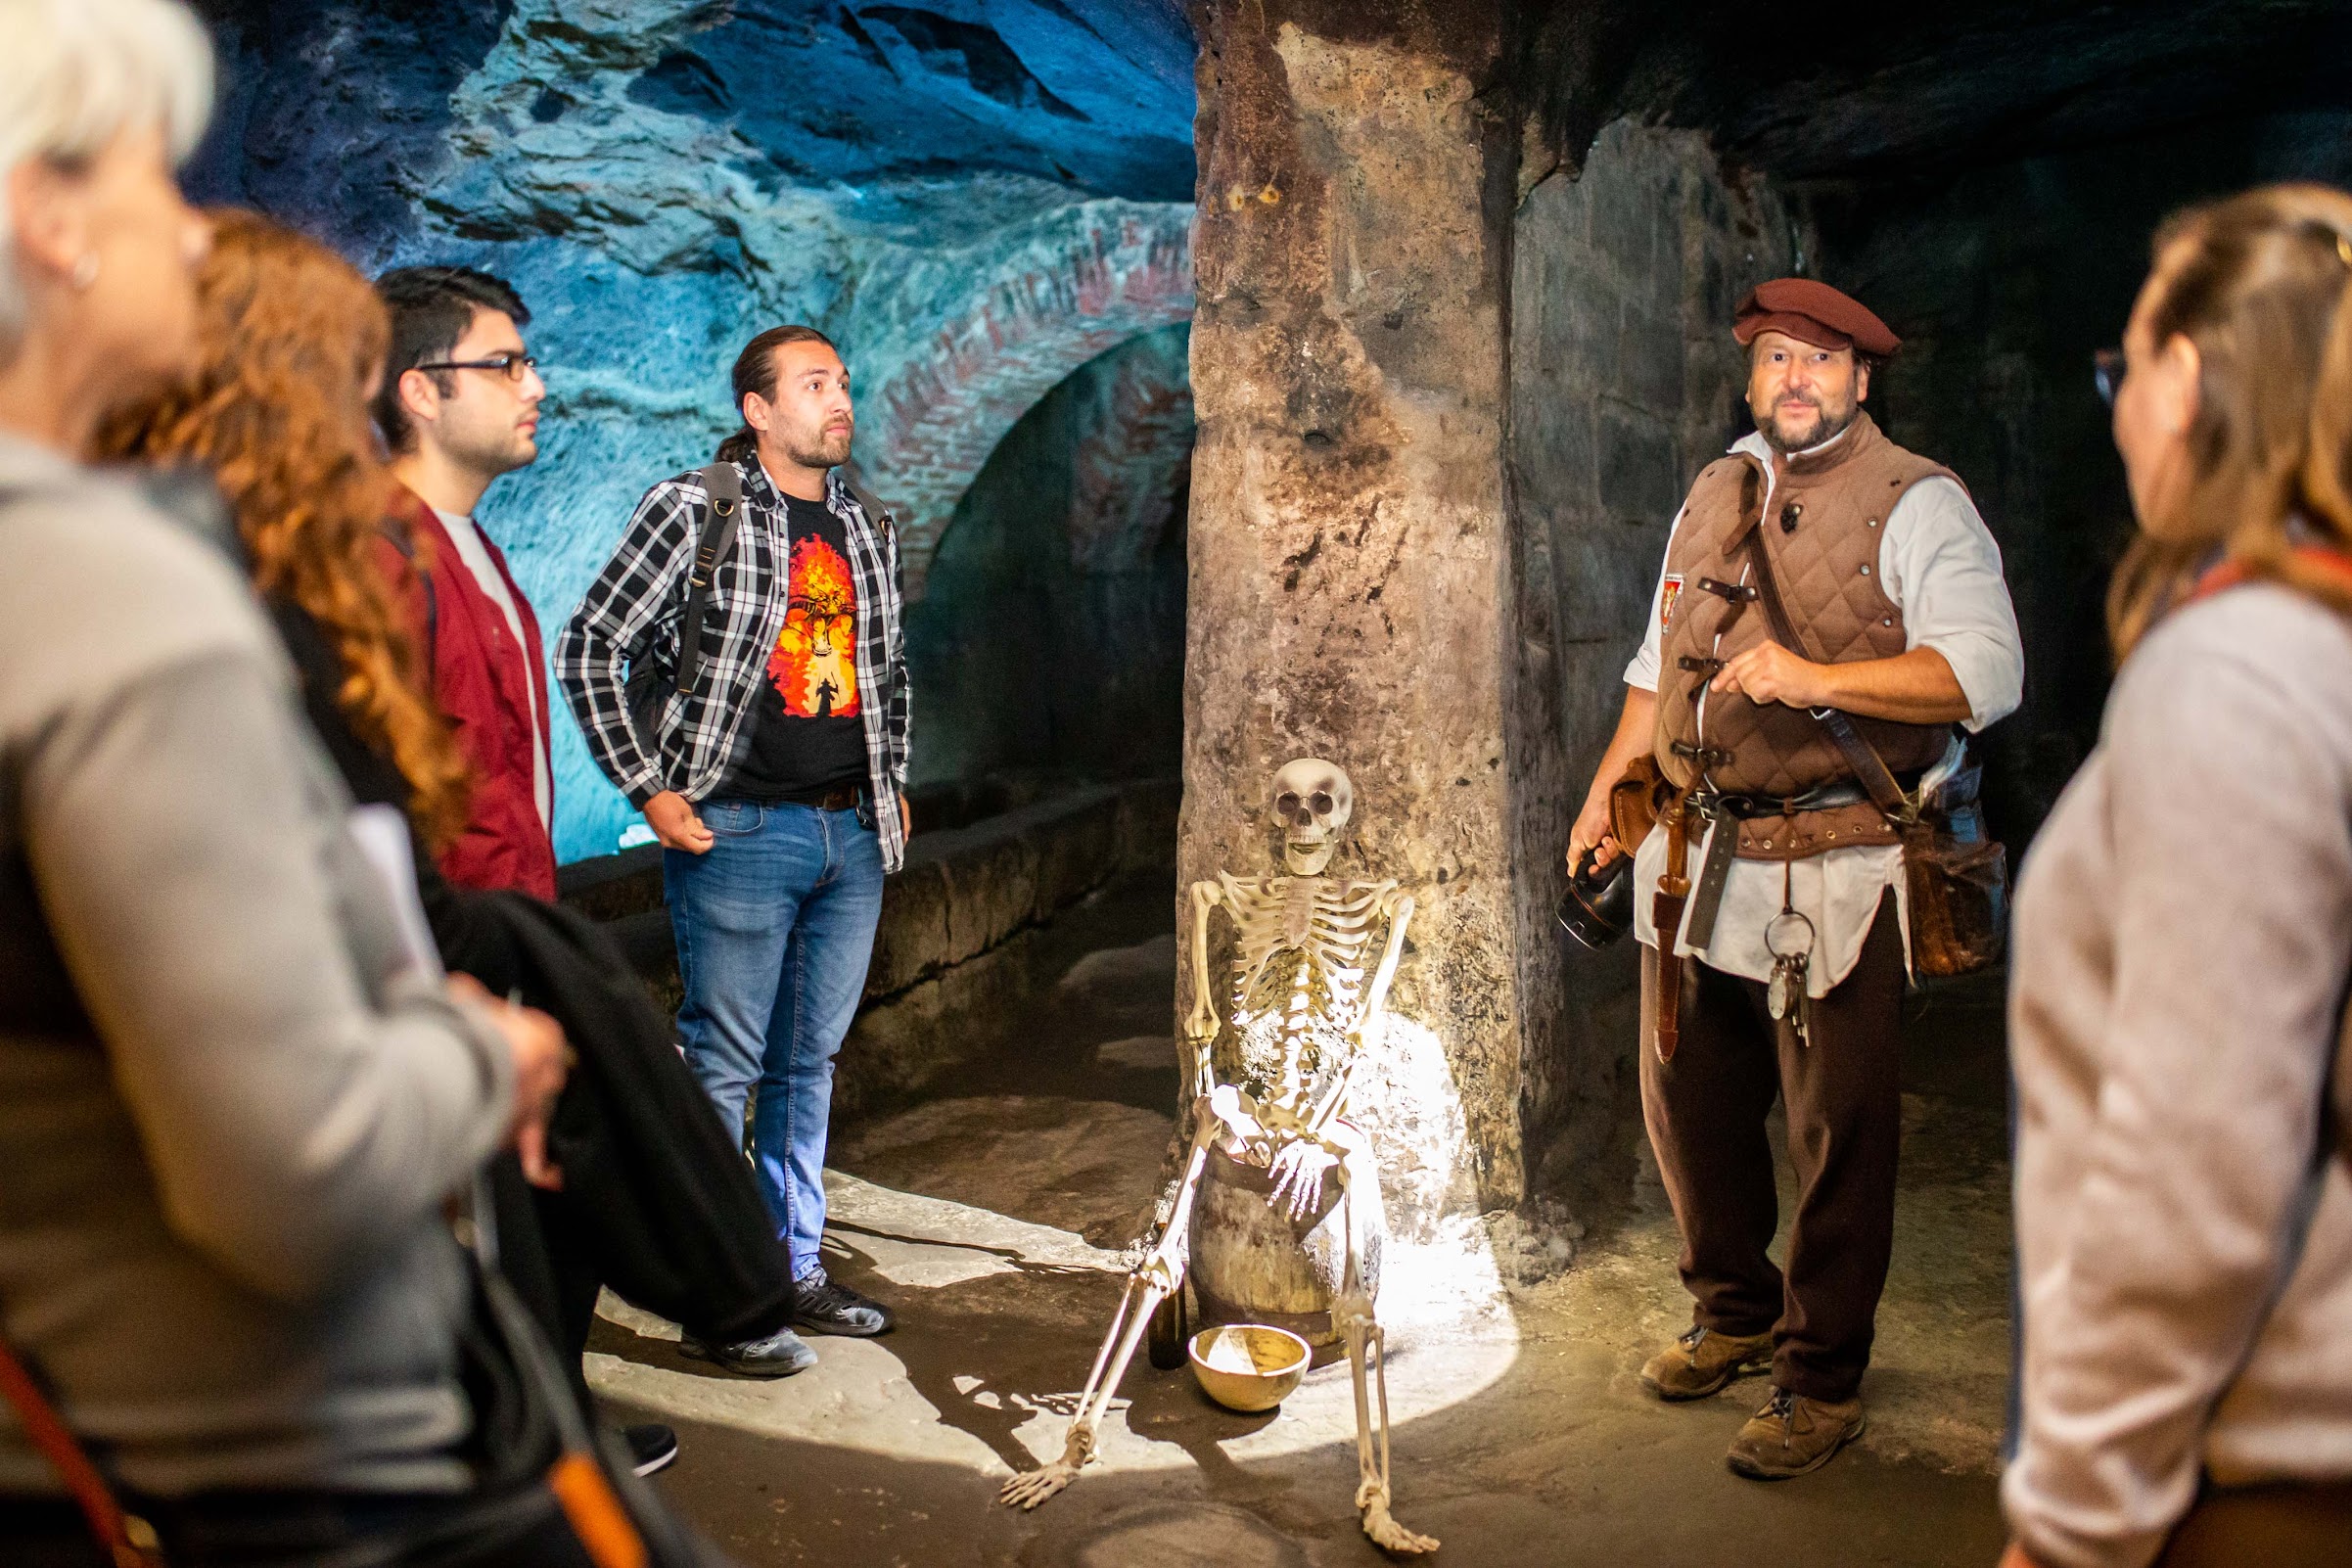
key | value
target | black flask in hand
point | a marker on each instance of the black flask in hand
(1598, 906)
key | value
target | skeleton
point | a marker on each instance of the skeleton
(1303, 1012)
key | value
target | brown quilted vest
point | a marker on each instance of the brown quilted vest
(1829, 518)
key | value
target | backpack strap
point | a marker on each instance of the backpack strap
(875, 512)
(719, 521)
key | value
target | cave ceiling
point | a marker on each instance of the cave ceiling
(362, 114)
(1844, 90)
(1093, 93)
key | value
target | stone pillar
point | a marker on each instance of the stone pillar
(1355, 587)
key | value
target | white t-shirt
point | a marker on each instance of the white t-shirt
(1939, 563)
(464, 534)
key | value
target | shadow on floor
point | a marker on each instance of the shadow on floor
(1560, 1459)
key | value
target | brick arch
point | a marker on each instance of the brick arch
(976, 349)
(1134, 451)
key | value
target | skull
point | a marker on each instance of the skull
(1312, 800)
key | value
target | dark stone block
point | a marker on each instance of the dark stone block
(1552, 451)
(1641, 482)
(1646, 363)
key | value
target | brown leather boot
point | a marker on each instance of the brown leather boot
(1702, 1361)
(1794, 1435)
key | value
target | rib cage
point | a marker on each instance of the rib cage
(1299, 970)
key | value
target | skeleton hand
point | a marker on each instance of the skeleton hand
(1299, 1167)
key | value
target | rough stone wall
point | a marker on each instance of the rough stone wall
(1351, 563)
(957, 949)
(2004, 280)
(1053, 632)
(1625, 383)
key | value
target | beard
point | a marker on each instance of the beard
(820, 449)
(493, 448)
(1825, 425)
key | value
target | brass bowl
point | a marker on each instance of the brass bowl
(1248, 1367)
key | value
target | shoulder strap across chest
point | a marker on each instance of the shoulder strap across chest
(721, 518)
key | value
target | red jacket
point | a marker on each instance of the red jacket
(489, 687)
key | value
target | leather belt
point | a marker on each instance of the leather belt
(1724, 813)
(840, 798)
(1712, 803)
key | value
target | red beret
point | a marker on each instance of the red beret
(1811, 312)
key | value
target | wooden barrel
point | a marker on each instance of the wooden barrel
(1253, 1264)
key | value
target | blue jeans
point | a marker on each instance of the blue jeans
(774, 927)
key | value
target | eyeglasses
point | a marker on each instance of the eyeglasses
(511, 366)
(2106, 373)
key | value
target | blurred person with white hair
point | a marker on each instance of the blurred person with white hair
(233, 1101)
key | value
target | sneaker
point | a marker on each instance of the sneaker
(825, 1307)
(651, 1446)
(780, 1355)
(1701, 1361)
(1794, 1435)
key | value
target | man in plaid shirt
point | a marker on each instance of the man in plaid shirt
(775, 783)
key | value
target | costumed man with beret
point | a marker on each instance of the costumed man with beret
(1817, 569)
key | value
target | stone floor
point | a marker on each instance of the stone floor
(994, 1216)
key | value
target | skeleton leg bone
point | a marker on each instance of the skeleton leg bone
(1154, 1279)
(1354, 1313)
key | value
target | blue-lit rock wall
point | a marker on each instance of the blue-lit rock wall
(975, 199)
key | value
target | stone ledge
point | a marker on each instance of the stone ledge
(953, 946)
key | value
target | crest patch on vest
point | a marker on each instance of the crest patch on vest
(1667, 595)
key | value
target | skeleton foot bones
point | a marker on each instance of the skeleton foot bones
(1303, 1012)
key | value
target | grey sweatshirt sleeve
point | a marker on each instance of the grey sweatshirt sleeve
(2231, 820)
(295, 1109)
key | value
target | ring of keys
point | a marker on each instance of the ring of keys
(1789, 940)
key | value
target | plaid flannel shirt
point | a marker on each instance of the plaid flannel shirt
(632, 614)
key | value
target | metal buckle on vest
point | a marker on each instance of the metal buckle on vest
(1706, 756)
(1737, 592)
(1699, 663)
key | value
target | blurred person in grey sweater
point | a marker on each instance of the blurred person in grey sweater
(232, 1104)
(2183, 945)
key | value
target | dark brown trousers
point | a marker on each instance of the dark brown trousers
(1706, 1109)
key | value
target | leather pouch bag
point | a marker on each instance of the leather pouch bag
(1633, 801)
(1960, 891)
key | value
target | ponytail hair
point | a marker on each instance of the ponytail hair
(756, 372)
(2262, 283)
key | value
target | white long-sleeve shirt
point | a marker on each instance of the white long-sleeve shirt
(1939, 563)
(2181, 943)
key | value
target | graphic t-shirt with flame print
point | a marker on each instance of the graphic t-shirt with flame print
(807, 735)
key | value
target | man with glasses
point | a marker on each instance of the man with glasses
(459, 407)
